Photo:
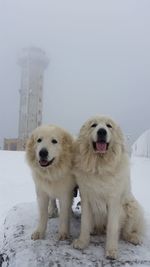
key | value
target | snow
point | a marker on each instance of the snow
(142, 146)
(16, 186)
(24, 252)
(140, 177)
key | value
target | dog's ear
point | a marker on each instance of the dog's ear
(83, 130)
(30, 148)
(30, 142)
(67, 141)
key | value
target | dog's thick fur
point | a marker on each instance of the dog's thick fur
(55, 180)
(103, 177)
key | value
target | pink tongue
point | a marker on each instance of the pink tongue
(43, 162)
(101, 147)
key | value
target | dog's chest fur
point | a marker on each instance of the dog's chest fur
(55, 185)
(98, 191)
(97, 186)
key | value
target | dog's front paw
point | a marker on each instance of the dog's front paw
(111, 254)
(63, 236)
(134, 239)
(80, 244)
(37, 235)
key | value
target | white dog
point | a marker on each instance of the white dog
(103, 175)
(49, 153)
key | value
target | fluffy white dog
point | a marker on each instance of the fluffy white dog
(103, 174)
(49, 154)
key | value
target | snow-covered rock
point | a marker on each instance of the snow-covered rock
(18, 250)
(141, 147)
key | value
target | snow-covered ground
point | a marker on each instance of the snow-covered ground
(16, 186)
(140, 178)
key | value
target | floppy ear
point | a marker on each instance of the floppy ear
(67, 141)
(83, 131)
(30, 151)
(123, 143)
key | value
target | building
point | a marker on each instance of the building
(33, 62)
(141, 148)
(11, 144)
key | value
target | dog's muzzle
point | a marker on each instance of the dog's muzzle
(101, 145)
(43, 155)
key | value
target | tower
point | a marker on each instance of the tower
(33, 62)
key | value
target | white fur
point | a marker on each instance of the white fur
(104, 184)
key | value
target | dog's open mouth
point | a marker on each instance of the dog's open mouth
(46, 163)
(100, 147)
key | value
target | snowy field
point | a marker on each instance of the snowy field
(16, 186)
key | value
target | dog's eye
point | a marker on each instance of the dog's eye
(54, 141)
(39, 140)
(94, 125)
(108, 125)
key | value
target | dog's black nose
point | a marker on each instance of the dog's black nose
(102, 132)
(43, 153)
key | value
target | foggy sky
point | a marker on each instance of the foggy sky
(99, 54)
